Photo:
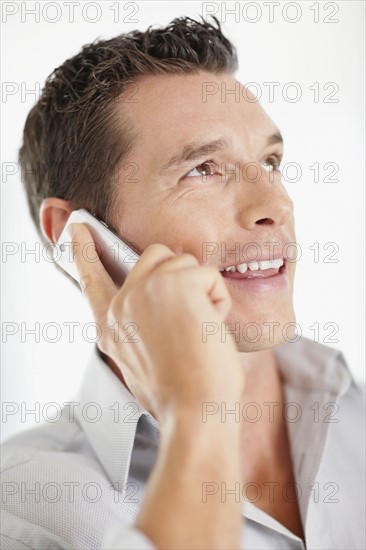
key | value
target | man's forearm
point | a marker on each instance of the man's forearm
(176, 512)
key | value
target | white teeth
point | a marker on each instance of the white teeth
(271, 264)
(276, 263)
(242, 268)
(255, 266)
(265, 264)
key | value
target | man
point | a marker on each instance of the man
(217, 427)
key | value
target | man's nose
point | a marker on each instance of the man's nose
(264, 202)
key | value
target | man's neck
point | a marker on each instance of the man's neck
(264, 425)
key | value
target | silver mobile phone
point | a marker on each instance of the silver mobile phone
(116, 256)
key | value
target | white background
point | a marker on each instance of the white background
(305, 52)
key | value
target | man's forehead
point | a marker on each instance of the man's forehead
(189, 95)
(172, 110)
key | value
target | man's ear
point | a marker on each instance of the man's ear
(53, 215)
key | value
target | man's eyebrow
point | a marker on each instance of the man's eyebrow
(194, 150)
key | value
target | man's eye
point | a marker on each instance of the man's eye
(272, 163)
(207, 168)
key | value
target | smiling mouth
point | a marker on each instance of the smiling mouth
(254, 270)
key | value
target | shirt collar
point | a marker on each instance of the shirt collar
(109, 415)
(307, 366)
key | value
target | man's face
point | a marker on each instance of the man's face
(239, 214)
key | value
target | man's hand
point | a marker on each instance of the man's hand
(166, 298)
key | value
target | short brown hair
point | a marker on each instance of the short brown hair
(73, 141)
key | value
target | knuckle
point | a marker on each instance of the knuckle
(157, 249)
(158, 284)
(115, 308)
(123, 306)
(111, 313)
(152, 247)
(131, 300)
(189, 259)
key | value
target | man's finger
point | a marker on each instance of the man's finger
(152, 257)
(95, 282)
(210, 280)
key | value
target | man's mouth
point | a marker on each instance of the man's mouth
(261, 269)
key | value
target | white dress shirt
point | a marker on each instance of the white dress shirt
(78, 483)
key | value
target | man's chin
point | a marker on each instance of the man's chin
(244, 346)
(263, 333)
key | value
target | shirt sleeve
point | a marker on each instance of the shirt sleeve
(122, 537)
(9, 543)
(126, 537)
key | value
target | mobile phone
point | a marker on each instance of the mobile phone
(116, 256)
